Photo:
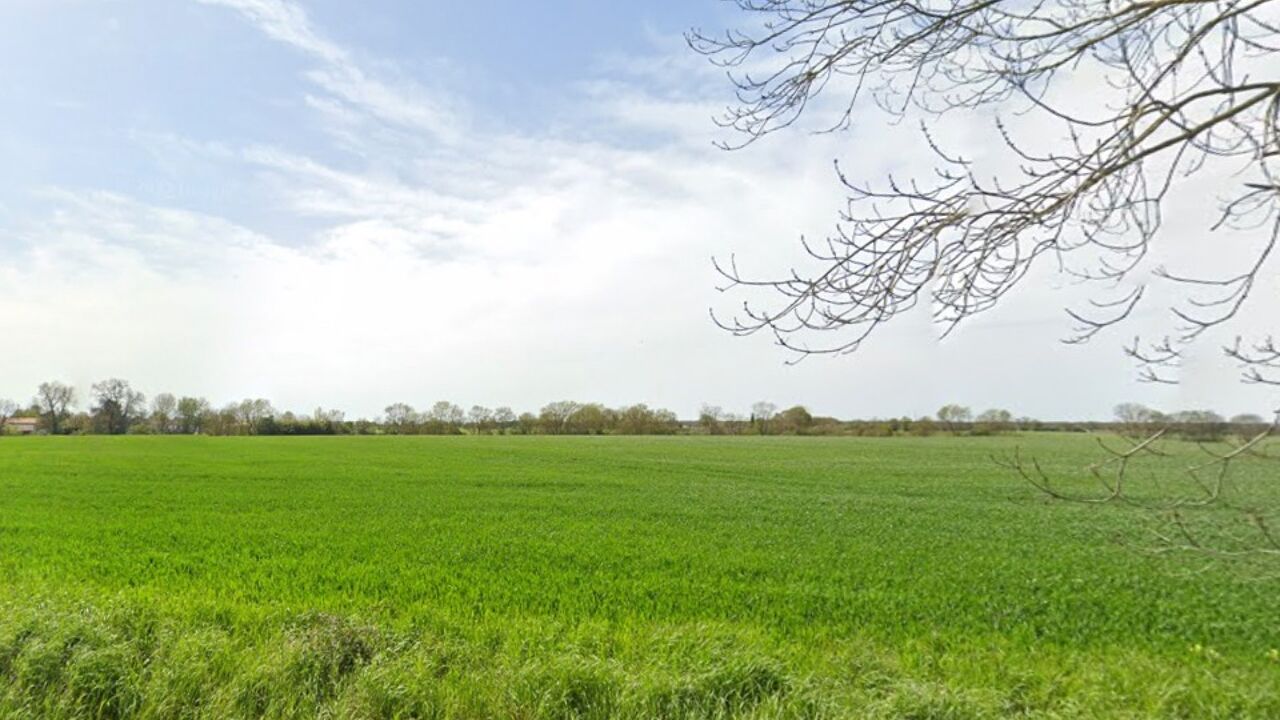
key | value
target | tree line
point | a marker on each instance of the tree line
(1137, 420)
(116, 408)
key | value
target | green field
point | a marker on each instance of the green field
(533, 577)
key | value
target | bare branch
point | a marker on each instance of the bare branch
(1190, 89)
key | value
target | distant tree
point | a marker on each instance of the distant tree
(554, 417)
(710, 418)
(332, 417)
(640, 419)
(995, 421)
(953, 417)
(1136, 419)
(241, 415)
(924, 427)
(761, 415)
(252, 415)
(1246, 425)
(665, 422)
(328, 422)
(1199, 425)
(480, 419)
(192, 414)
(445, 418)
(401, 418)
(996, 415)
(117, 406)
(54, 401)
(793, 420)
(527, 423)
(164, 413)
(734, 424)
(504, 418)
(590, 419)
(79, 423)
(1133, 413)
(8, 409)
(224, 421)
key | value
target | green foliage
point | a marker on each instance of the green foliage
(539, 577)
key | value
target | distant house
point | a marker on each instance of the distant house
(21, 425)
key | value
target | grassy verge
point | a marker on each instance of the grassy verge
(126, 662)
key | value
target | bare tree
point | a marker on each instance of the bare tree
(710, 418)
(401, 417)
(640, 419)
(994, 421)
(527, 423)
(7, 410)
(330, 417)
(504, 418)
(445, 417)
(164, 413)
(761, 413)
(118, 406)
(54, 400)
(480, 418)
(954, 417)
(1137, 420)
(250, 413)
(1181, 86)
(333, 421)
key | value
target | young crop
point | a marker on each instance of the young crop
(600, 577)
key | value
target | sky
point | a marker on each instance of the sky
(349, 205)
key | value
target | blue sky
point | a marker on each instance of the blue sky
(89, 86)
(341, 204)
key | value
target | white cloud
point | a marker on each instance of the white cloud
(340, 75)
(287, 22)
(436, 260)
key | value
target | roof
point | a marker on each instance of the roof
(22, 421)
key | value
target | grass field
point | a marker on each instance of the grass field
(601, 577)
